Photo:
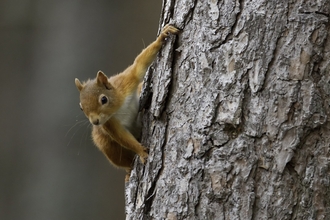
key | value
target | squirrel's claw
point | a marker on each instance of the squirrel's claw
(167, 30)
(144, 155)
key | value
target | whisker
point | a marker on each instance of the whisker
(80, 123)
(144, 45)
(77, 123)
(85, 133)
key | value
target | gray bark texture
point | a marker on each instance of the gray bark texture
(237, 114)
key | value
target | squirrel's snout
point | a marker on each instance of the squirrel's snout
(94, 119)
(96, 122)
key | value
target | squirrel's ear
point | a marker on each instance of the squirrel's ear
(78, 84)
(102, 79)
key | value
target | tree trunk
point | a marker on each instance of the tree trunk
(238, 120)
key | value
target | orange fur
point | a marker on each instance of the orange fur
(111, 105)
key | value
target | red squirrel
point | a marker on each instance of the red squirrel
(111, 105)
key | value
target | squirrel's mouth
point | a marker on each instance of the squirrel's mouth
(99, 120)
(95, 122)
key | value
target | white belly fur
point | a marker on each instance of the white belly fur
(128, 114)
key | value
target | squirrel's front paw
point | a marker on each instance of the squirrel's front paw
(143, 155)
(167, 30)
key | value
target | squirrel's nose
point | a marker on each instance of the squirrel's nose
(95, 122)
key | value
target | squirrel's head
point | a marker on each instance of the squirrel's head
(97, 99)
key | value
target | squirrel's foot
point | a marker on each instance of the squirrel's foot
(143, 155)
(167, 30)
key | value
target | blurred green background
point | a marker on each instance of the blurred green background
(49, 168)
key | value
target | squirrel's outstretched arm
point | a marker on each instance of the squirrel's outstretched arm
(145, 58)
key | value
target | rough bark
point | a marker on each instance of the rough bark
(238, 125)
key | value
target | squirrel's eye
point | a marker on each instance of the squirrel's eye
(104, 100)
